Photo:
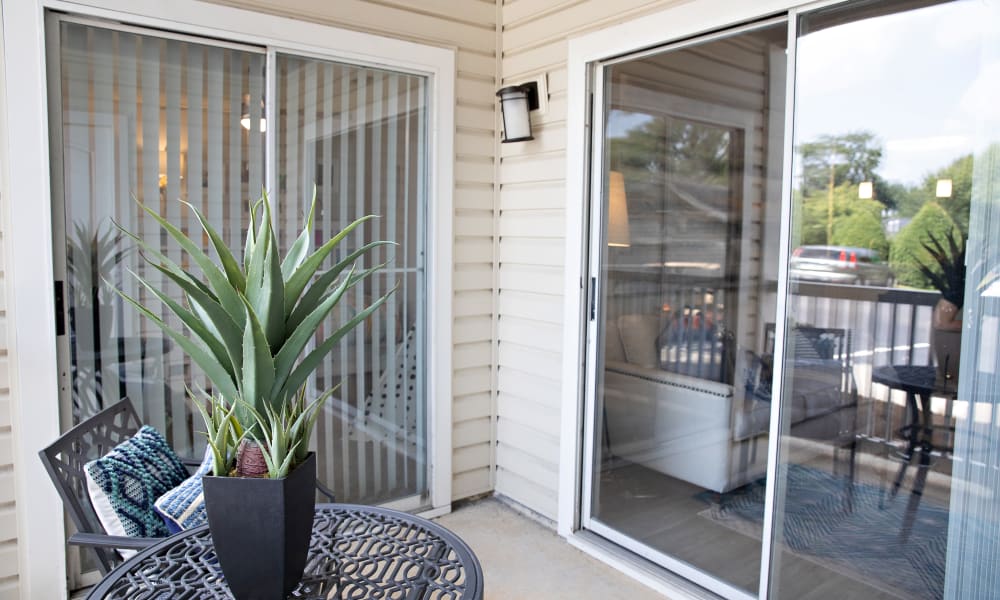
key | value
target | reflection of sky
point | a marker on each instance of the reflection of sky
(915, 79)
(620, 122)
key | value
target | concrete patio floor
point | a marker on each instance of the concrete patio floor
(524, 560)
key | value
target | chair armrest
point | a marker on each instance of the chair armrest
(322, 489)
(101, 540)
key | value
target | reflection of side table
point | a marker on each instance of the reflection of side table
(918, 382)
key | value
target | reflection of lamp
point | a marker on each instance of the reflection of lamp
(245, 118)
(866, 190)
(618, 231)
(943, 188)
(516, 101)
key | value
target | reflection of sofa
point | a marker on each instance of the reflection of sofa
(713, 434)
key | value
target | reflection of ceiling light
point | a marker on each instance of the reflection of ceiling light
(692, 265)
(943, 188)
(245, 122)
(866, 190)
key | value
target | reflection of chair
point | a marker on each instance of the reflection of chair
(64, 460)
(389, 411)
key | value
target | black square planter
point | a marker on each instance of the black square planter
(261, 530)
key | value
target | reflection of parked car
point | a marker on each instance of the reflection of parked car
(839, 264)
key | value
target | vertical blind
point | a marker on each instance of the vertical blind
(356, 138)
(153, 120)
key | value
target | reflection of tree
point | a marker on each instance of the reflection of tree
(908, 250)
(849, 158)
(958, 204)
(682, 148)
(856, 221)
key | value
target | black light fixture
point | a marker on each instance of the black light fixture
(516, 101)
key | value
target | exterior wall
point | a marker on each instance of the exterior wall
(9, 589)
(531, 245)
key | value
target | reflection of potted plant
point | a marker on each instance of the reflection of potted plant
(247, 325)
(946, 324)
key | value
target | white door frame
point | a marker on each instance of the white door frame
(584, 52)
(28, 246)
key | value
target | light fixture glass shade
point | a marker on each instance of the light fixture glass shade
(866, 190)
(618, 230)
(514, 110)
(943, 189)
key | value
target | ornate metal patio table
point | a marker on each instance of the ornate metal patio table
(356, 552)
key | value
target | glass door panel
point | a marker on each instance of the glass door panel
(356, 138)
(144, 118)
(889, 155)
(691, 169)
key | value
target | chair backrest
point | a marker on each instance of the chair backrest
(64, 460)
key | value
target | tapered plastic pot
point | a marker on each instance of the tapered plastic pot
(261, 530)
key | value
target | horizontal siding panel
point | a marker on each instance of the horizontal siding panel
(531, 278)
(528, 439)
(8, 559)
(517, 65)
(476, 61)
(529, 359)
(473, 196)
(473, 142)
(8, 523)
(542, 473)
(377, 18)
(472, 329)
(473, 303)
(469, 433)
(527, 412)
(4, 407)
(6, 486)
(471, 483)
(475, 89)
(6, 448)
(518, 10)
(544, 390)
(473, 169)
(532, 223)
(472, 381)
(537, 307)
(470, 11)
(471, 457)
(528, 196)
(546, 336)
(548, 167)
(479, 116)
(539, 499)
(9, 590)
(473, 277)
(477, 354)
(475, 406)
(473, 250)
(524, 251)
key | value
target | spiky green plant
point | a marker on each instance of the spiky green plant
(949, 277)
(248, 324)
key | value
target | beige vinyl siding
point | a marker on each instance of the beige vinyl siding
(470, 27)
(9, 588)
(531, 232)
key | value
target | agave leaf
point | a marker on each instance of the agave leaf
(314, 295)
(251, 234)
(300, 278)
(308, 364)
(303, 425)
(218, 321)
(233, 272)
(258, 365)
(228, 296)
(215, 371)
(300, 248)
(219, 451)
(285, 359)
(165, 262)
(265, 287)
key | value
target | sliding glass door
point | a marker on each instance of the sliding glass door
(793, 330)
(145, 117)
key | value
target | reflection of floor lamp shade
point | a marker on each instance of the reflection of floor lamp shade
(618, 232)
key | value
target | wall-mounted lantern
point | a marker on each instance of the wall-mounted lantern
(516, 101)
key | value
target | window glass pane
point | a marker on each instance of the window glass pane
(889, 154)
(356, 137)
(689, 225)
(153, 120)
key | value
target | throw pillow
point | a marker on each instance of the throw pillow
(124, 483)
(183, 507)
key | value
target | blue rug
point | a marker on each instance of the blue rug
(855, 530)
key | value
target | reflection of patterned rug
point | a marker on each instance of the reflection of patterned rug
(864, 541)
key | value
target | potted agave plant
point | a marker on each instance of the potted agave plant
(248, 324)
(946, 322)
